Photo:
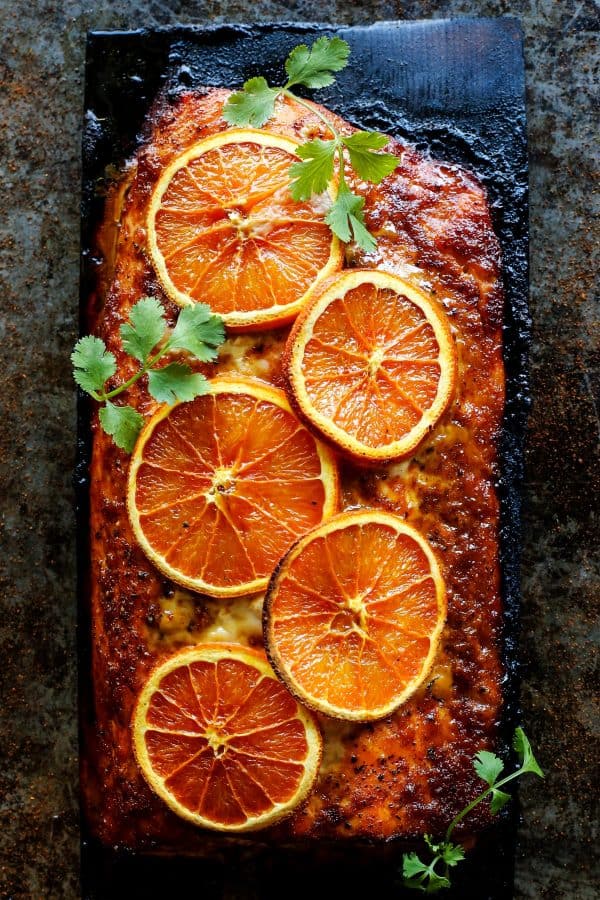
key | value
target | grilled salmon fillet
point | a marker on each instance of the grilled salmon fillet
(409, 773)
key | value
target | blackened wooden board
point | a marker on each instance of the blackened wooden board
(456, 89)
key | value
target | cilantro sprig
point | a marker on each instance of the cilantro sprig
(434, 875)
(314, 67)
(197, 332)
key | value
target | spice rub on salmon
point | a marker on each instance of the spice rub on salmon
(411, 772)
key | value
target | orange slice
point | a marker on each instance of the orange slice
(223, 229)
(353, 615)
(371, 364)
(220, 487)
(222, 741)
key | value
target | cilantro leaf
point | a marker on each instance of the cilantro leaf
(198, 331)
(452, 854)
(419, 876)
(499, 800)
(93, 364)
(488, 766)
(314, 174)
(253, 105)
(523, 748)
(346, 219)
(366, 162)
(436, 883)
(145, 328)
(123, 423)
(176, 382)
(314, 67)
(412, 865)
(435, 848)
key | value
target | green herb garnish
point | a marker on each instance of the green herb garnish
(197, 332)
(313, 68)
(426, 876)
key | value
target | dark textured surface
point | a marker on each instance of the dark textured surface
(41, 64)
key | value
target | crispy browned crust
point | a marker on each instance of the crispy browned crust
(411, 772)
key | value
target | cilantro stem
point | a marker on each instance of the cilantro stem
(108, 395)
(339, 148)
(465, 812)
(312, 107)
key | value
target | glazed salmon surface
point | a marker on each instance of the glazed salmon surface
(404, 775)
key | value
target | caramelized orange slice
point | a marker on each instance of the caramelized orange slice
(222, 741)
(371, 364)
(223, 229)
(220, 487)
(353, 615)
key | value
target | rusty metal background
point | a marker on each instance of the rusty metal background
(41, 65)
